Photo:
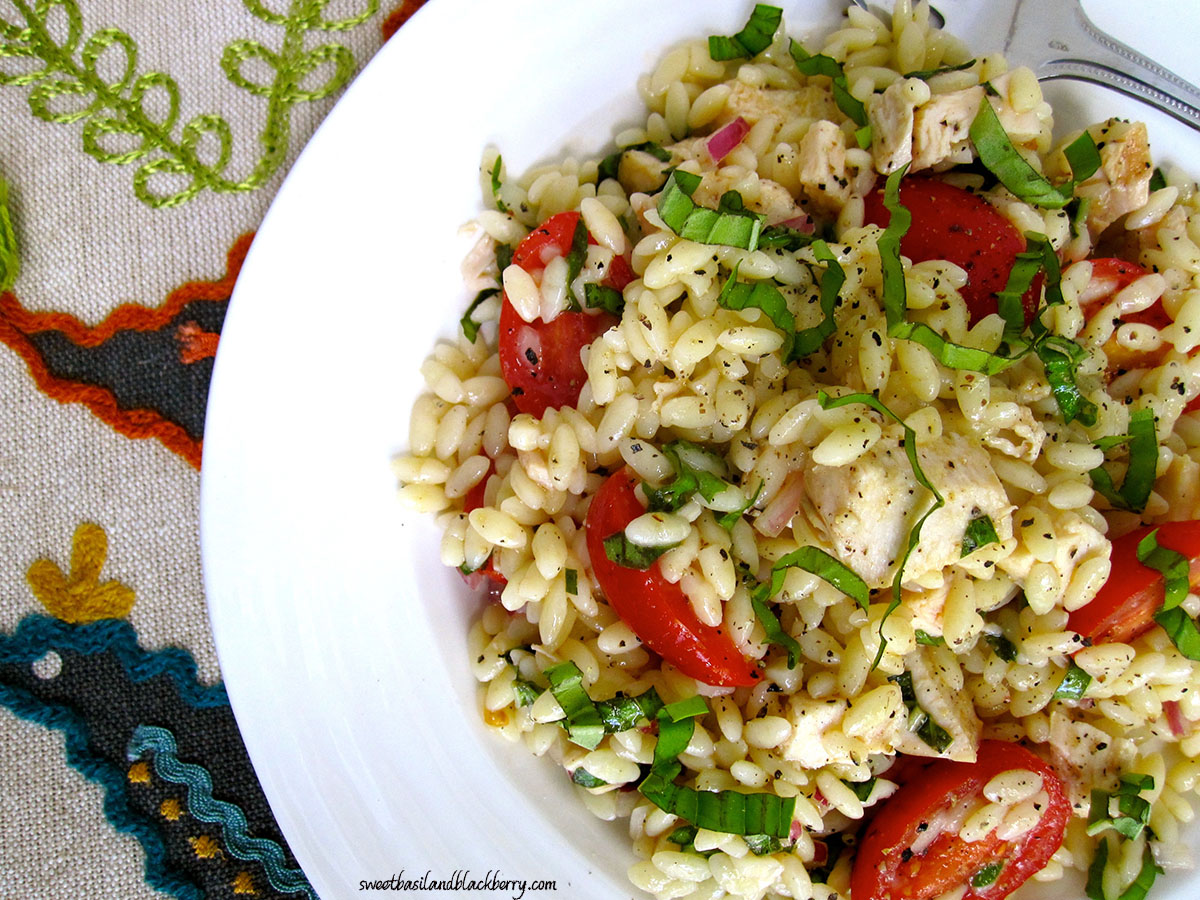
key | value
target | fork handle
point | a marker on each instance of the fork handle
(1073, 47)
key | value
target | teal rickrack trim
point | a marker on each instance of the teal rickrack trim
(201, 804)
(109, 777)
(37, 634)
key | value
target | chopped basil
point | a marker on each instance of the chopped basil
(726, 227)
(783, 237)
(996, 151)
(620, 550)
(684, 835)
(10, 261)
(1080, 208)
(919, 721)
(730, 519)
(1083, 156)
(895, 290)
(980, 532)
(826, 567)
(500, 204)
(575, 259)
(809, 65)
(1133, 810)
(1004, 648)
(588, 721)
(611, 164)
(732, 812)
(763, 844)
(926, 74)
(584, 778)
(1174, 566)
(1143, 464)
(1158, 181)
(1073, 685)
(753, 39)
(809, 340)
(737, 295)
(1060, 358)
(571, 577)
(582, 720)
(930, 640)
(622, 713)
(688, 478)
(987, 875)
(1136, 891)
(599, 296)
(910, 450)
(771, 627)
(469, 326)
(525, 691)
(504, 257)
(1038, 254)
(862, 789)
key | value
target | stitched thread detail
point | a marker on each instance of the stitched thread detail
(110, 778)
(243, 883)
(81, 596)
(195, 343)
(118, 127)
(170, 809)
(150, 739)
(16, 323)
(36, 634)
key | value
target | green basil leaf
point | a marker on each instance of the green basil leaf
(895, 290)
(575, 259)
(1095, 873)
(701, 224)
(622, 713)
(687, 481)
(584, 778)
(582, 720)
(809, 340)
(1037, 255)
(500, 204)
(684, 835)
(469, 326)
(1005, 649)
(910, 450)
(987, 875)
(754, 38)
(763, 844)
(997, 153)
(930, 640)
(762, 295)
(1143, 464)
(571, 580)
(926, 74)
(1171, 563)
(611, 164)
(598, 296)
(826, 567)
(1073, 685)
(948, 353)
(1133, 810)
(504, 257)
(919, 721)
(1158, 180)
(1181, 629)
(1145, 877)
(980, 532)
(810, 65)
(525, 691)
(10, 261)
(730, 519)
(771, 627)
(784, 237)
(622, 551)
(1060, 358)
(862, 789)
(1083, 156)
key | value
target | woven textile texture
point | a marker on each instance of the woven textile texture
(141, 142)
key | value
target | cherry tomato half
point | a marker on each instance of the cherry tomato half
(886, 868)
(954, 224)
(1124, 608)
(540, 360)
(658, 611)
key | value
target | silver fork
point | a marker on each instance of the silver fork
(1058, 40)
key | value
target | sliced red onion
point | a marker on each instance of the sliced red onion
(1179, 725)
(802, 223)
(728, 137)
(785, 504)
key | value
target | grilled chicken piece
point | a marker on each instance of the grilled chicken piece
(867, 508)
(947, 705)
(890, 115)
(823, 178)
(1122, 183)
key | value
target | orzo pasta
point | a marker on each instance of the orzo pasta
(830, 455)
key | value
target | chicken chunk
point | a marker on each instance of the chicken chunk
(946, 704)
(890, 115)
(1086, 757)
(755, 103)
(823, 178)
(867, 508)
(1122, 183)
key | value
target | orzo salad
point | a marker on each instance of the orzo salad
(829, 457)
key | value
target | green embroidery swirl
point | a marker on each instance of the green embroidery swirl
(134, 118)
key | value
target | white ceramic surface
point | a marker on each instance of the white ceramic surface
(340, 636)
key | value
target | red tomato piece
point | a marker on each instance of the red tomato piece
(886, 868)
(658, 611)
(1124, 608)
(540, 360)
(954, 224)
